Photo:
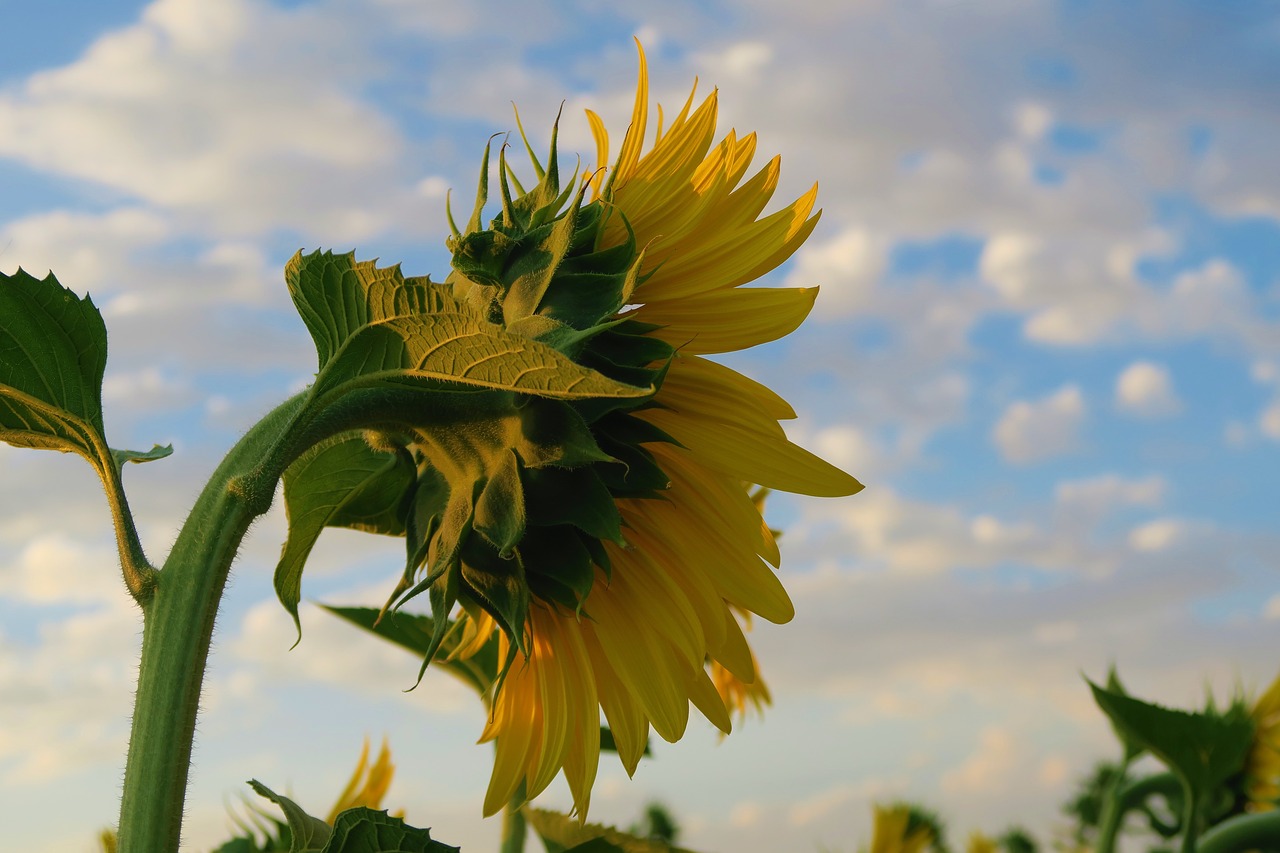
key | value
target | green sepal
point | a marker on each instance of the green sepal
(308, 834)
(635, 474)
(550, 432)
(621, 426)
(537, 264)
(1203, 749)
(559, 336)
(53, 353)
(363, 830)
(599, 555)
(340, 483)
(625, 344)
(500, 509)
(558, 566)
(120, 457)
(574, 496)
(563, 834)
(499, 586)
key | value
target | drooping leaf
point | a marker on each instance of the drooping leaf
(1203, 749)
(341, 483)
(563, 834)
(53, 352)
(120, 457)
(364, 830)
(460, 348)
(308, 833)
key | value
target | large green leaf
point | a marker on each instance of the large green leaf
(464, 349)
(342, 483)
(364, 830)
(1203, 749)
(53, 352)
(338, 295)
(563, 834)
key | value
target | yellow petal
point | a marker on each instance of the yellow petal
(728, 320)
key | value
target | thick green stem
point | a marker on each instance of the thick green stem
(513, 823)
(1191, 819)
(1259, 831)
(178, 626)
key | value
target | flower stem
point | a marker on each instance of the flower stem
(177, 628)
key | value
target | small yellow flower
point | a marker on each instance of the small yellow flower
(979, 843)
(365, 788)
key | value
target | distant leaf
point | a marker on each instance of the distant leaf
(364, 830)
(461, 348)
(1132, 748)
(342, 483)
(1204, 749)
(120, 457)
(308, 833)
(53, 352)
(563, 834)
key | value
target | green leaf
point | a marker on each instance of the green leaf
(363, 830)
(463, 349)
(1132, 748)
(120, 457)
(53, 352)
(338, 295)
(563, 834)
(413, 632)
(308, 833)
(1203, 749)
(341, 483)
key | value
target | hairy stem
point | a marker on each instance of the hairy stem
(139, 574)
(177, 627)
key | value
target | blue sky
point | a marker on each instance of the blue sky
(1048, 339)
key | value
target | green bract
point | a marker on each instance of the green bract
(488, 419)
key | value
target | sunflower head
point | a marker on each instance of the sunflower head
(610, 533)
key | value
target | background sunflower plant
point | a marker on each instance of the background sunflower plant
(579, 486)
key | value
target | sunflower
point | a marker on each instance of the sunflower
(612, 542)
(1262, 765)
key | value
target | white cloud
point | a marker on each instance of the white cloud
(1157, 535)
(1103, 494)
(1269, 421)
(838, 797)
(337, 653)
(1145, 388)
(988, 769)
(847, 268)
(1030, 431)
(239, 114)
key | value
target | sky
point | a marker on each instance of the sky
(1047, 339)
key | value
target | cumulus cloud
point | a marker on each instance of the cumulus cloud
(241, 115)
(1033, 430)
(988, 769)
(1145, 388)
